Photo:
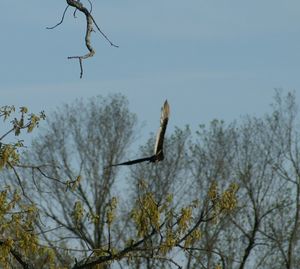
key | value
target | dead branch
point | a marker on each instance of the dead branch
(89, 28)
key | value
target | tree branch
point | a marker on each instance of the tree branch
(89, 28)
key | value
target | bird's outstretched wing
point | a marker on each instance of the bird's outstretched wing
(149, 159)
(164, 118)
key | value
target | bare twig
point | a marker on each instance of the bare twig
(91, 6)
(61, 21)
(104, 35)
(50, 230)
(19, 181)
(39, 169)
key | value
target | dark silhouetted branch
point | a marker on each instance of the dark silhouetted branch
(61, 21)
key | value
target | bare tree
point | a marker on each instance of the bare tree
(283, 229)
(80, 140)
(261, 156)
(211, 157)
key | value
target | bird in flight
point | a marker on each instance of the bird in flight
(158, 148)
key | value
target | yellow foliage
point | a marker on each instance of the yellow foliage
(228, 199)
(185, 218)
(5, 111)
(78, 212)
(109, 217)
(94, 218)
(23, 109)
(34, 120)
(169, 198)
(169, 242)
(213, 192)
(73, 184)
(147, 215)
(113, 202)
(192, 238)
(18, 122)
(223, 202)
(8, 154)
(110, 213)
(18, 220)
(16, 227)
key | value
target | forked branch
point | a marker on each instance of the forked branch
(90, 21)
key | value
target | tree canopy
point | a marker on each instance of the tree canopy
(224, 197)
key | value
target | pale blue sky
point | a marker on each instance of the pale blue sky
(211, 59)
